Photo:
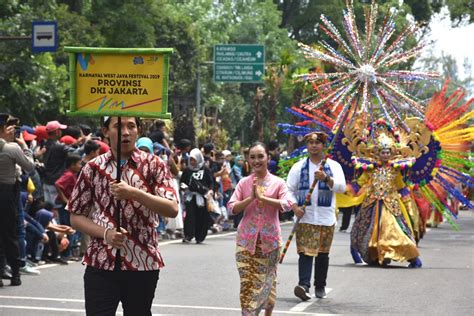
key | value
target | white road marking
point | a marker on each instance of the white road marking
(300, 307)
(47, 265)
(161, 243)
(178, 241)
(54, 299)
(195, 307)
(43, 308)
(52, 309)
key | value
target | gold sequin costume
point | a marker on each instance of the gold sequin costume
(382, 228)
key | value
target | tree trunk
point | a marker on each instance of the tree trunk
(258, 120)
(272, 115)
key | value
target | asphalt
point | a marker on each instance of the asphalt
(203, 280)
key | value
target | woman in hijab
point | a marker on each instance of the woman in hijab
(197, 181)
(236, 173)
(145, 144)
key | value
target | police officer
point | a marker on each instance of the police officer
(13, 151)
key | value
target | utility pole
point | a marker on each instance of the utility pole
(198, 92)
(200, 112)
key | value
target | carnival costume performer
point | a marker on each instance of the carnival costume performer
(382, 230)
(315, 231)
(260, 196)
(368, 82)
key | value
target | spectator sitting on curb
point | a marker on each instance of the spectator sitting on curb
(56, 233)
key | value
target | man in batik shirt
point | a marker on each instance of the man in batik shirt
(122, 265)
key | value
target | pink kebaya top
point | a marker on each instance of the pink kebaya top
(260, 219)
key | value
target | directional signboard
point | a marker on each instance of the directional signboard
(239, 63)
(45, 36)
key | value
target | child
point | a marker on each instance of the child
(64, 186)
(66, 183)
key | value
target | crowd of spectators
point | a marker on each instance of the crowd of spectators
(205, 177)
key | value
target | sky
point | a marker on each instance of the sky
(456, 41)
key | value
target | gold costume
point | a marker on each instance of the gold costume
(382, 229)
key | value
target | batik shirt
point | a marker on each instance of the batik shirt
(92, 197)
(260, 219)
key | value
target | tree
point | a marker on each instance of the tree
(302, 18)
(35, 87)
(448, 68)
(459, 9)
(136, 30)
(232, 22)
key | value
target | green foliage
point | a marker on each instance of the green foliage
(123, 23)
(421, 10)
(35, 86)
(459, 9)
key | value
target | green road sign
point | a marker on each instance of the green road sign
(239, 63)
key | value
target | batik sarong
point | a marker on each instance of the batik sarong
(257, 279)
(313, 239)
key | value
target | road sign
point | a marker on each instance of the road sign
(45, 36)
(239, 62)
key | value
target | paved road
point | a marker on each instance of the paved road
(203, 280)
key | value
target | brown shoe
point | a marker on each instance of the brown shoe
(302, 293)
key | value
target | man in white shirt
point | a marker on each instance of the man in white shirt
(315, 230)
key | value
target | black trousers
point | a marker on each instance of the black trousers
(346, 217)
(9, 195)
(196, 222)
(321, 267)
(104, 289)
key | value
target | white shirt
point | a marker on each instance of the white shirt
(314, 214)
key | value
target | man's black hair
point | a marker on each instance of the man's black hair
(183, 143)
(73, 130)
(72, 159)
(208, 148)
(86, 129)
(157, 136)
(45, 205)
(90, 146)
(106, 121)
(4, 119)
(272, 145)
(159, 124)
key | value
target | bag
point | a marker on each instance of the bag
(210, 204)
(197, 186)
